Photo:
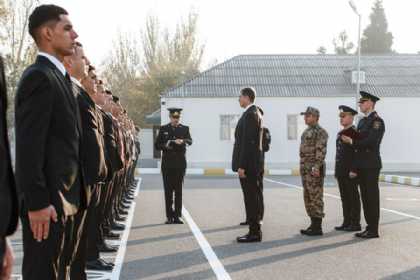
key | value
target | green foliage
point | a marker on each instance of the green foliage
(139, 74)
(376, 37)
(342, 46)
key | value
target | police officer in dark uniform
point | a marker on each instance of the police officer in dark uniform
(368, 162)
(172, 140)
(345, 172)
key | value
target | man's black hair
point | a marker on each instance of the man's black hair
(250, 92)
(42, 15)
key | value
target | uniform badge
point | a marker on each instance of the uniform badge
(376, 124)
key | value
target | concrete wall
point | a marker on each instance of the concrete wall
(400, 149)
(146, 143)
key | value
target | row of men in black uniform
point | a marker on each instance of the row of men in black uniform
(76, 152)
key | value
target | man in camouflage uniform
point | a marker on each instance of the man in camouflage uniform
(313, 150)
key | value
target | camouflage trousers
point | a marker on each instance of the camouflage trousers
(313, 195)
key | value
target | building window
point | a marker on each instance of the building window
(292, 127)
(227, 127)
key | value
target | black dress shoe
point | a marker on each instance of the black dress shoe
(98, 265)
(250, 238)
(112, 235)
(106, 263)
(117, 226)
(367, 235)
(352, 228)
(178, 221)
(341, 228)
(123, 212)
(119, 218)
(311, 232)
(169, 221)
(244, 223)
(105, 248)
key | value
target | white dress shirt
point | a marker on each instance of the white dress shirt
(54, 61)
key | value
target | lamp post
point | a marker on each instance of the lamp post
(354, 8)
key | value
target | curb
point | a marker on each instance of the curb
(395, 179)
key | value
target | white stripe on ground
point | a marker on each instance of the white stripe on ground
(214, 262)
(337, 197)
(119, 260)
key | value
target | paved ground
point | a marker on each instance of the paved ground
(157, 251)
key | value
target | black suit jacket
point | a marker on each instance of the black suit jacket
(371, 130)
(93, 156)
(8, 198)
(173, 154)
(48, 140)
(247, 150)
(113, 158)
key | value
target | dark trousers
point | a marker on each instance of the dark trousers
(78, 267)
(92, 224)
(350, 200)
(50, 259)
(254, 203)
(173, 179)
(369, 190)
(2, 252)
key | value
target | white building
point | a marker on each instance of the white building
(286, 85)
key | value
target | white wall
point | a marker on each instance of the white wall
(400, 149)
(146, 143)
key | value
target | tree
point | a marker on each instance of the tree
(18, 48)
(376, 37)
(321, 50)
(342, 46)
(140, 73)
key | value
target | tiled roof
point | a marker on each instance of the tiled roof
(305, 76)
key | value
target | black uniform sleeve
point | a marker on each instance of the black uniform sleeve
(188, 140)
(34, 104)
(160, 143)
(374, 136)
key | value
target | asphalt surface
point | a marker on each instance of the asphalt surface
(158, 251)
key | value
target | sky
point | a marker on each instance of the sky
(233, 27)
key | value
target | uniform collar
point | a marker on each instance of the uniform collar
(54, 61)
(249, 106)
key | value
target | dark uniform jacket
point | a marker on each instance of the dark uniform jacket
(113, 159)
(247, 150)
(48, 140)
(371, 130)
(93, 155)
(8, 198)
(345, 154)
(173, 155)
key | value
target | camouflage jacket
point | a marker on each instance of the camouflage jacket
(313, 148)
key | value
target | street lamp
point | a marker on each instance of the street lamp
(354, 8)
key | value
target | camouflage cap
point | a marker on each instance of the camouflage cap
(311, 111)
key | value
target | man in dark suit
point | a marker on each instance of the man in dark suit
(48, 137)
(346, 174)
(93, 159)
(371, 130)
(172, 140)
(8, 197)
(247, 160)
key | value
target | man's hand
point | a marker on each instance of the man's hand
(179, 141)
(40, 222)
(7, 265)
(352, 175)
(346, 139)
(241, 173)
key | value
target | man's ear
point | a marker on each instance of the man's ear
(46, 32)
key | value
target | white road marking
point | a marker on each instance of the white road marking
(402, 199)
(214, 262)
(337, 197)
(119, 260)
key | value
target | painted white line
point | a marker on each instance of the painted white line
(119, 260)
(402, 199)
(337, 197)
(214, 262)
